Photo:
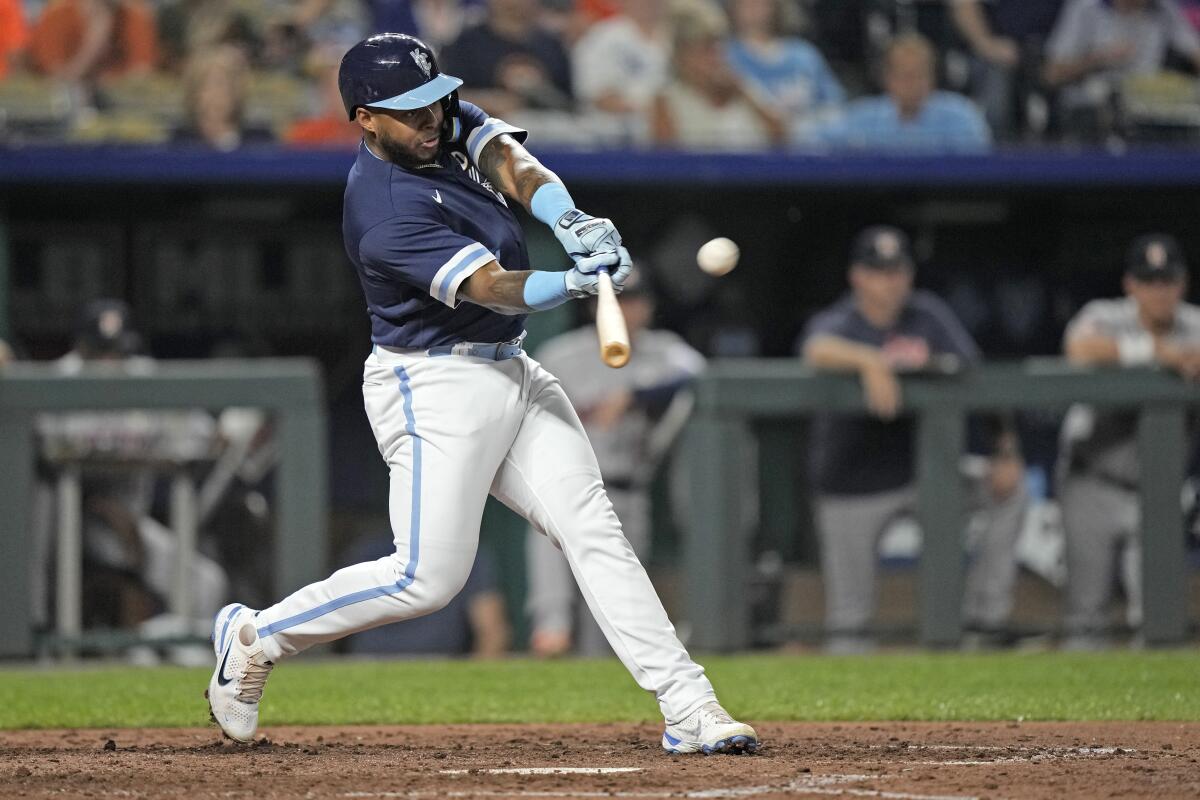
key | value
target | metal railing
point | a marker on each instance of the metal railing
(733, 393)
(290, 389)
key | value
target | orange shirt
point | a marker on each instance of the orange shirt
(324, 131)
(58, 35)
(13, 33)
(595, 10)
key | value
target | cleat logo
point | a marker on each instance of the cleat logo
(221, 679)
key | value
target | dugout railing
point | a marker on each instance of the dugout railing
(291, 390)
(733, 394)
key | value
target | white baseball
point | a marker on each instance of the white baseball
(718, 256)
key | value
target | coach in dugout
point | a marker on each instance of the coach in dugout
(1098, 470)
(862, 467)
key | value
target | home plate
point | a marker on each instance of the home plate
(543, 771)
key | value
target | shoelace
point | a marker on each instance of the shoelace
(717, 714)
(251, 687)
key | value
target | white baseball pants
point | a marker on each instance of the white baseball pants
(452, 429)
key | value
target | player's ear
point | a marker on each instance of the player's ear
(365, 118)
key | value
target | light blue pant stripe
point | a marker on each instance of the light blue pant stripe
(414, 538)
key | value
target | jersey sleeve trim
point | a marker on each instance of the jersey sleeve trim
(490, 129)
(462, 265)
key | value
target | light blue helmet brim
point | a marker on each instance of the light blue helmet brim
(424, 95)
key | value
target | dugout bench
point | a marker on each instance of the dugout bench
(734, 392)
(290, 389)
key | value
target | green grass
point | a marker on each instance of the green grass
(1035, 686)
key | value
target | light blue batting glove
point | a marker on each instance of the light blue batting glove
(583, 235)
(583, 279)
(624, 267)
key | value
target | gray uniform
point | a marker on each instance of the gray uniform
(1098, 482)
(662, 361)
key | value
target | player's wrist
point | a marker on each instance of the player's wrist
(545, 290)
(550, 202)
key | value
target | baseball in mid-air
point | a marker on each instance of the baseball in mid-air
(718, 256)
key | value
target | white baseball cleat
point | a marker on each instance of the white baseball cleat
(237, 683)
(709, 729)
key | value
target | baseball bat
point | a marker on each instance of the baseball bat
(610, 325)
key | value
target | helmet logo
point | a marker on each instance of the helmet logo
(422, 61)
(1156, 255)
(887, 244)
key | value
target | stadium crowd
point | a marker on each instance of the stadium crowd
(809, 75)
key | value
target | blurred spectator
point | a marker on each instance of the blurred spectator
(620, 64)
(862, 469)
(129, 556)
(339, 23)
(189, 27)
(474, 622)
(86, 40)
(1006, 38)
(1098, 469)
(1098, 44)
(766, 52)
(330, 127)
(632, 417)
(841, 30)
(14, 35)
(214, 86)
(706, 106)
(912, 116)
(435, 22)
(6, 353)
(511, 63)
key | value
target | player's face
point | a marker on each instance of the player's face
(408, 138)
(885, 289)
(638, 310)
(1157, 300)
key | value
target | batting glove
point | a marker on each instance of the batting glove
(583, 235)
(584, 278)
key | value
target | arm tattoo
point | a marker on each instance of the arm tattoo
(508, 165)
(507, 295)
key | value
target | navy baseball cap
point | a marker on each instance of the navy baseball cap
(393, 71)
(1155, 257)
(881, 247)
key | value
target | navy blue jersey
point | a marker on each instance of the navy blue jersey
(856, 454)
(415, 235)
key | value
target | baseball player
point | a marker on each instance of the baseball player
(1098, 469)
(863, 468)
(458, 409)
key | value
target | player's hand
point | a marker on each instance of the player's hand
(1185, 361)
(583, 235)
(621, 273)
(881, 390)
(584, 278)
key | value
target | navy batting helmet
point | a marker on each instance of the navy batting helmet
(397, 71)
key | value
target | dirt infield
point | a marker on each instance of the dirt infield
(917, 761)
